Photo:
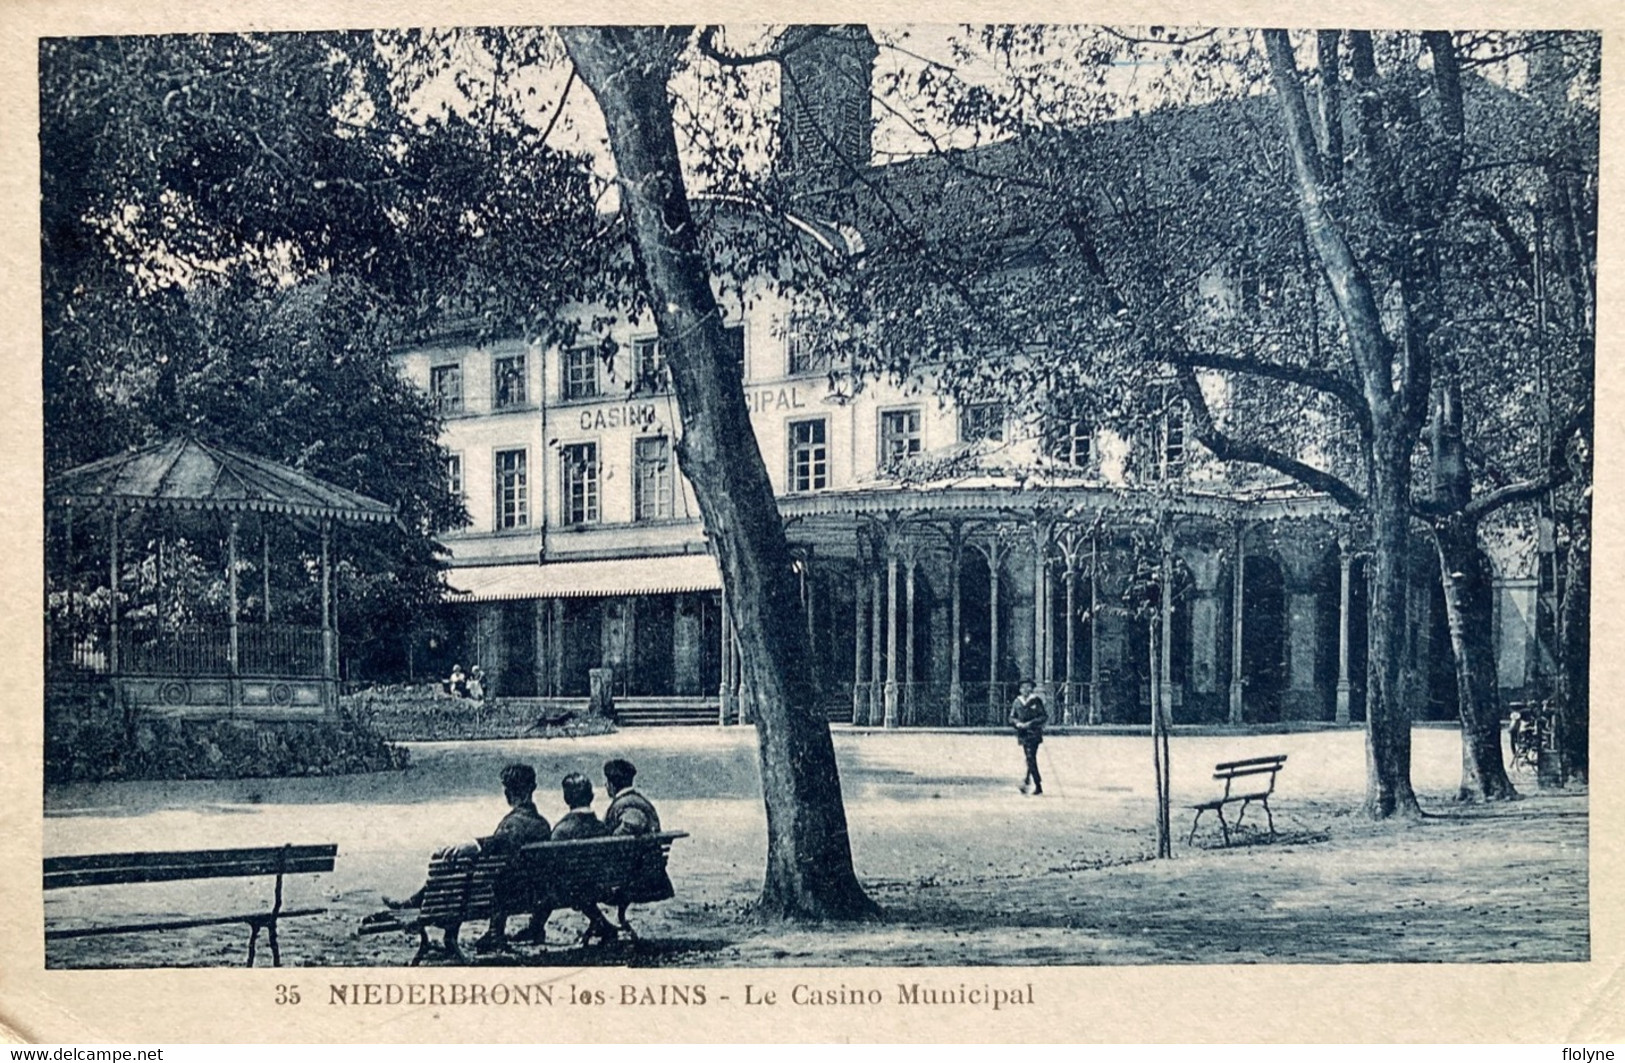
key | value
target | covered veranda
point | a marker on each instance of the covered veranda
(196, 580)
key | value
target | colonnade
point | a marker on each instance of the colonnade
(1036, 564)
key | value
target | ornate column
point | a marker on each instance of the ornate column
(910, 560)
(857, 644)
(1165, 664)
(113, 581)
(1238, 578)
(1301, 567)
(876, 662)
(1043, 661)
(555, 646)
(1067, 711)
(265, 572)
(993, 550)
(1345, 560)
(725, 691)
(233, 644)
(329, 650)
(956, 690)
(890, 719)
(1096, 711)
(1207, 637)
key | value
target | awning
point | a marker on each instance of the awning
(679, 574)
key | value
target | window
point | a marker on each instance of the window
(454, 475)
(1257, 288)
(648, 365)
(802, 348)
(513, 489)
(446, 388)
(1171, 449)
(581, 373)
(652, 480)
(580, 467)
(983, 421)
(809, 456)
(1070, 441)
(508, 381)
(899, 435)
(733, 337)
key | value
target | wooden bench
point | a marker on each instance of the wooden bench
(1258, 790)
(119, 869)
(541, 876)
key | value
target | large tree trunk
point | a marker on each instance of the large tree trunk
(1574, 640)
(1394, 393)
(1469, 601)
(1469, 607)
(809, 859)
(1388, 717)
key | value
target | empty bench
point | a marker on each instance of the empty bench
(541, 876)
(123, 869)
(1246, 782)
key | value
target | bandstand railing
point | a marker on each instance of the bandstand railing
(195, 650)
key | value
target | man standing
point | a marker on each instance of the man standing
(1027, 716)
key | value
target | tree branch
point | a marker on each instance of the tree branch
(1322, 380)
(1558, 472)
(1227, 448)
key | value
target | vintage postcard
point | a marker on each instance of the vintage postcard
(813, 523)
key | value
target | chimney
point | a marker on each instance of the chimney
(825, 110)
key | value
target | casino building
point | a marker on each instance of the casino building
(927, 595)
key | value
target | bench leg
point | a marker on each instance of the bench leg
(253, 940)
(453, 949)
(620, 917)
(423, 947)
(1269, 816)
(1224, 827)
(1243, 813)
(1197, 819)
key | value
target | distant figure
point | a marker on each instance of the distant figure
(629, 812)
(456, 684)
(1027, 716)
(476, 684)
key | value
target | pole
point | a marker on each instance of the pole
(112, 600)
(232, 646)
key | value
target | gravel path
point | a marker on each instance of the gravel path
(968, 869)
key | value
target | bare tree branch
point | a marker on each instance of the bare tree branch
(1227, 448)
(1322, 380)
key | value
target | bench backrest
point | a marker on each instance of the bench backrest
(461, 888)
(1231, 770)
(465, 889)
(594, 864)
(105, 869)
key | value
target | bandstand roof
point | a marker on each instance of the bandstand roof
(188, 474)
